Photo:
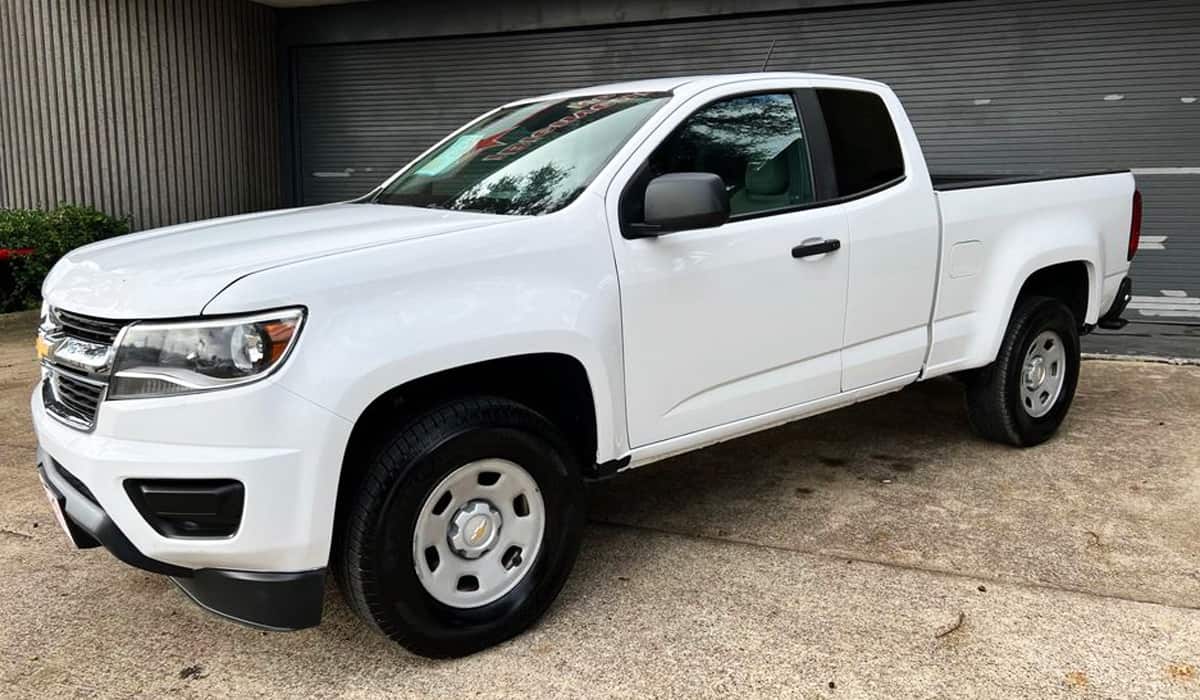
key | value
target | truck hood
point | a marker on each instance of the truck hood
(177, 270)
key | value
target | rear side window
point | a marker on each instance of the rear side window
(866, 151)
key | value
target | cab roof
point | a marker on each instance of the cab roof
(680, 85)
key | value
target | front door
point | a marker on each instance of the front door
(723, 323)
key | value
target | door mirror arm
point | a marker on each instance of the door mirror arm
(634, 231)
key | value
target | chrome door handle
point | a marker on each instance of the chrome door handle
(817, 247)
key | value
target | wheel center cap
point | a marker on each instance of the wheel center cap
(1035, 373)
(474, 529)
(478, 528)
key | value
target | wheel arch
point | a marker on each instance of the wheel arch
(1070, 276)
(1067, 270)
(1071, 282)
(556, 385)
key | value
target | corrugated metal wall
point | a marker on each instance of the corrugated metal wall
(165, 110)
(991, 85)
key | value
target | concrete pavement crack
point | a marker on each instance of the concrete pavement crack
(1020, 583)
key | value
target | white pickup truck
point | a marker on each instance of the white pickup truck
(411, 389)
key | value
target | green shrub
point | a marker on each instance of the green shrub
(51, 234)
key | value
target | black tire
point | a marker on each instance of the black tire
(994, 403)
(377, 572)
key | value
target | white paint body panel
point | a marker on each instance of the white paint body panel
(394, 313)
(686, 340)
(697, 307)
(174, 271)
(279, 445)
(1018, 229)
(893, 259)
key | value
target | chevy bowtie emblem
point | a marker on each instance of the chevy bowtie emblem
(479, 533)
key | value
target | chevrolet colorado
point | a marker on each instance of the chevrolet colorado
(411, 389)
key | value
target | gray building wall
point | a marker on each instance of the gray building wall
(400, 19)
(162, 110)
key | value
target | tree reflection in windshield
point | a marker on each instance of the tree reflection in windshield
(534, 193)
(525, 160)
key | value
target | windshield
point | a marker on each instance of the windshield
(529, 159)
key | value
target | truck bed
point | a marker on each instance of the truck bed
(961, 181)
(997, 230)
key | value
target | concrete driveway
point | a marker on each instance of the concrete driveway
(877, 551)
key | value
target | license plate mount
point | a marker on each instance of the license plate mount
(56, 505)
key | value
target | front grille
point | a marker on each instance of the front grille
(96, 330)
(79, 396)
(73, 398)
(73, 391)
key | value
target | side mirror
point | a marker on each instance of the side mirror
(680, 201)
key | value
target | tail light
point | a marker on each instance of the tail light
(1135, 225)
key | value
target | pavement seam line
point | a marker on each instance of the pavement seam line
(1156, 359)
(1020, 583)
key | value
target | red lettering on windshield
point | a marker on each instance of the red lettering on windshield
(583, 111)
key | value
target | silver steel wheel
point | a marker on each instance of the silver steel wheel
(478, 533)
(1042, 373)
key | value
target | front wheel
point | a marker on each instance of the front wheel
(465, 528)
(1023, 397)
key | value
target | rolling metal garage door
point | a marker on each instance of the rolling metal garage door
(992, 86)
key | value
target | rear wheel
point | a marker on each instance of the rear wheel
(1022, 398)
(465, 528)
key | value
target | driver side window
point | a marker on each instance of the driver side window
(755, 143)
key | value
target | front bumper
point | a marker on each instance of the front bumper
(277, 601)
(270, 572)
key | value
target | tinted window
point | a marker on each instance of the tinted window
(529, 159)
(866, 151)
(754, 142)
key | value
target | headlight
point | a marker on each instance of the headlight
(161, 359)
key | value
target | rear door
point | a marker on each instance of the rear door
(893, 241)
(721, 324)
